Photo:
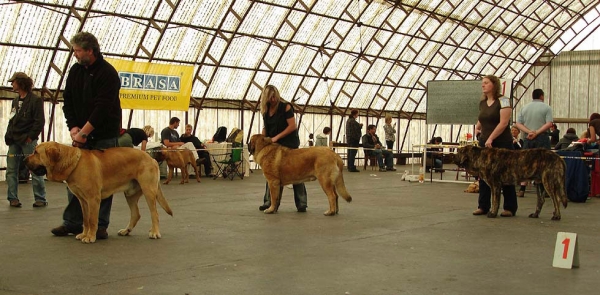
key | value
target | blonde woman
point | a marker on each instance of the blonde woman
(135, 136)
(390, 132)
(280, 126)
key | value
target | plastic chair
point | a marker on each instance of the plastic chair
(233, 165)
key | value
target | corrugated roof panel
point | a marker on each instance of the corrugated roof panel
(229, 83)
(245, 52)
(313, 30)
(263, 20)
(321, 95)
(273, 54)
(378, 71)
(296, 59)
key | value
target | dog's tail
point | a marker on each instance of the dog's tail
(340, 186)
(162, 201)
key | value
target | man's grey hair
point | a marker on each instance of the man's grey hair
(86, 41)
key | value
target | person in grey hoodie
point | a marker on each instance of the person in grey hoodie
(567, 139)
(323, 138)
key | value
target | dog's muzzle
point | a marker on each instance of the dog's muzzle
(37, 170)
(40, 171)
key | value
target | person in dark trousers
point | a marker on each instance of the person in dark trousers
(493, 132)
(353, 135)
(203, 155)
(24, 127)
(93, 114)
(373, 147)
(280, 126)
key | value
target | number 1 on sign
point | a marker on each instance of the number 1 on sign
(566, 253)
(566, 242)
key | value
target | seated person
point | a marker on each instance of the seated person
(372, 146)
(134, 136)
(323, 137)
(567, 139)
(433, 157)
(200, 148)
(169, 137)
(517, 142)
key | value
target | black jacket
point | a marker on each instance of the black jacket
(92, 94)
(28, 121)
(369, 143)
(567, 139)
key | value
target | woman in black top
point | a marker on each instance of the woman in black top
(280, 126)
(492, 124)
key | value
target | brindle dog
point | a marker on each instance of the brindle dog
(499, 167)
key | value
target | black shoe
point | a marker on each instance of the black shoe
(302, 209)
(15, 203)
(264, 207)
(38, 204)
(65, 231)
(101, 234)
(382, 169)
(390, 169)
(353, 170)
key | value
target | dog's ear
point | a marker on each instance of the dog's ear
(60, 160)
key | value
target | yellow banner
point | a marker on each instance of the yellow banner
(148, 86)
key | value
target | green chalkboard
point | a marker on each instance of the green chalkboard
(453, 102)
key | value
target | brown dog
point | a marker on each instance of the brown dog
(93, 175)
(499, 167)
(282, 165)
(473, 187)
(178, 158)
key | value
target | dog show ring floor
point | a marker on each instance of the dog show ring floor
(395, 237)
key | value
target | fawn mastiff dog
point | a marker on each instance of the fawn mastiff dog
(178, 158)
(282, 165)
(93, 175)
(499, 167)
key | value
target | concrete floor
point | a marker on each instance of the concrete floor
(394, 238)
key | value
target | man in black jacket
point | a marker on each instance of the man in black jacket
(93, 113)
(24, 127)
(373, 146)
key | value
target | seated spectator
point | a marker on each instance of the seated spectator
(323, 138)
(203, 155)
(134, 136)
(517, 142)
(311, 139)
(567, 139)
(373, 146)
(554, 135)
(584, 136)
(169, 137)
(433, 157)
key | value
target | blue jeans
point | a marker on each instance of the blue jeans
(381, 154)
(299, 195)
(73, 215)
(16, 152)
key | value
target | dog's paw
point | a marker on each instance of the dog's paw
(329, 213)
(534, 215)
(86, 239)
(269, 210)
(492, 214)
(556, 217)
(154, 235)
(166, 182)
(124, 232)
